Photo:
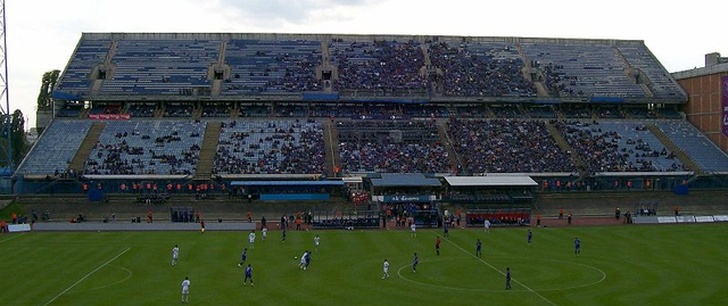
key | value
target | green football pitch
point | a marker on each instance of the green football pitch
(622, 265)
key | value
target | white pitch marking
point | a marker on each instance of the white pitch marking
(502, 273)
(86, 276)
(11, 238)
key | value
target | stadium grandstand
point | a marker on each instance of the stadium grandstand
(202, 113)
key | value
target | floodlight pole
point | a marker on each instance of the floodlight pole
(5, 92)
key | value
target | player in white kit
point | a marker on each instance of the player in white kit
(185, 290)
(251, 239)
(175, 254)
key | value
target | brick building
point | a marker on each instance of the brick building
(707, 89)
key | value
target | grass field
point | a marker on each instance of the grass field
(630, 265)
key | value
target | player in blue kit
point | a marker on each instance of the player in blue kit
(248, 276)
(415, 261)
(308, 260)
(478, 248)
(530, 236)
(577, 246)
(243, 257)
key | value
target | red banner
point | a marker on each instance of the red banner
(109, 116)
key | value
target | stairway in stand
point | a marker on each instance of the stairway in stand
(455, 161)
(87, 145)
(207, 151)
(331, 145)
(564, 145)
(684, 158)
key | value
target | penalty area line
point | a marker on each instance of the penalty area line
(11, 238)
(86, 276)
(502, 273)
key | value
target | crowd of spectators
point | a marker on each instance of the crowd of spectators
(508, 146)
(255, 110)
(378, 66)
(272, 66)
(471, 111)
(474, 69)
(406, 214)
(391, 147)
(542, 111)
(215, 110)
(70, 110)
(605, 150)
(640, 113)
(178, 111)
(558, 82)
(507, 111)
(270, 147)
(291, 110)
(171, 148)
(607, 112)
(139, 110)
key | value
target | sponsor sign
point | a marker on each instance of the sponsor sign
(14, 228)
(721, 218)
(685, 219)
(666, 220)
(109, 116)
(724, 103)
(407, 198)
(703, 219)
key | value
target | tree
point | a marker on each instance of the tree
(45, 97)
(17, 136)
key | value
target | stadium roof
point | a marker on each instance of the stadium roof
(492, 181)
(405, 180)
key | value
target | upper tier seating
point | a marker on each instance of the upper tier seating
(583, 70)
(480, 69)
(89, 54)
(272, 66)
(378, 67)
(361, 66)
(161, 67)
(661, 82)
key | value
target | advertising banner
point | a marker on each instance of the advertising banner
(109, 116)
(14, 228)
(414, 198)
(724, 103)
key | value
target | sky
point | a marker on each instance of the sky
(42, 34)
